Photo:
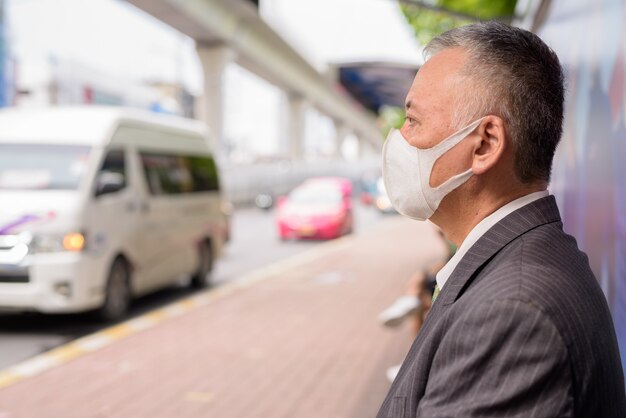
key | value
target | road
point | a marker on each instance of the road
(254, 244)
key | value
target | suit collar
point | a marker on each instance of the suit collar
(528, 217)
(539, 212)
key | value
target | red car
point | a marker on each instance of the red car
(320, 208)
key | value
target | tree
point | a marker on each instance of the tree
(429, 20)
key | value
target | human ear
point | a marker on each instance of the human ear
(490, 146)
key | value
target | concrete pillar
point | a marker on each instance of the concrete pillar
(361, 144)
(294, 128)
(370, 145)
(342, 131)
(367, 145)
(210, 108)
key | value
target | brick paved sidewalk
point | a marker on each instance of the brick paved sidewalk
(305, 342)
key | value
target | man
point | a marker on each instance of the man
(519, 326)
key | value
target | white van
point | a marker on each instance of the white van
(98, 205)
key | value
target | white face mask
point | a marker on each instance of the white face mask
(407, 170)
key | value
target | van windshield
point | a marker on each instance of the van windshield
(42, 167)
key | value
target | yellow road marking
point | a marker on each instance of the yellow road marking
(8, 378)
(100, 339)
(187, 303)
(156, 316)
(200, 397)
(118, 331)
(66, 353)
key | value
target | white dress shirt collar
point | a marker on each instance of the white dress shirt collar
(480, 229)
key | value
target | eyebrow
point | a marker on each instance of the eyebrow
(408, 104)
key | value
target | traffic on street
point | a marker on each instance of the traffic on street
(25, 335)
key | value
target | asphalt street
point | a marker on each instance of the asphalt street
(254, 245)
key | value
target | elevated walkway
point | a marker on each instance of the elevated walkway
(227, 30)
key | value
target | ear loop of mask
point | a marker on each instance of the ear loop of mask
(445, 146)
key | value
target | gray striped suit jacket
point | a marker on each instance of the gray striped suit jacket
(521, 328)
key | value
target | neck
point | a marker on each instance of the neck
(458, 214)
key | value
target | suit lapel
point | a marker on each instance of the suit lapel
(537, 213)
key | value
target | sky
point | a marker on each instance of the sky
(109, 35)
(336, 31)
(116, 39)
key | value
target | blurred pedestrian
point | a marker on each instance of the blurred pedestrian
(416, 300)
(519, 325)
(415, 303)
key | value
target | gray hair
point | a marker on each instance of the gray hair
(516, 77)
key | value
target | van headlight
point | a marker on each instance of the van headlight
(55, 243)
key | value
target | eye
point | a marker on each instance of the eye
(410, 121)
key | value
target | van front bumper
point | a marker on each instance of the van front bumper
(50, 283)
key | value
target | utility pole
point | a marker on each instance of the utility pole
(3, 58)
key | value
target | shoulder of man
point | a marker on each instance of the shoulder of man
(545, 269)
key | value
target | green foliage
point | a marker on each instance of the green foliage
(482, 9)
(391, 117)
(429, 23)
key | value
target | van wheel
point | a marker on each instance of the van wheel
(118, 295)
(201, 278)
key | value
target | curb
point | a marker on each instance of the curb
(100, 339)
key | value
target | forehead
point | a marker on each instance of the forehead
(437, 82)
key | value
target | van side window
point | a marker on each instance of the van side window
(166, 174)
(153, 167)
(180, 171)
(204, 173)
(112, 174)
(150, 170)
(174, 174)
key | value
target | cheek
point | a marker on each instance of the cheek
(405, 131)
(420, 138)
(457, 160)
(427, 134)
